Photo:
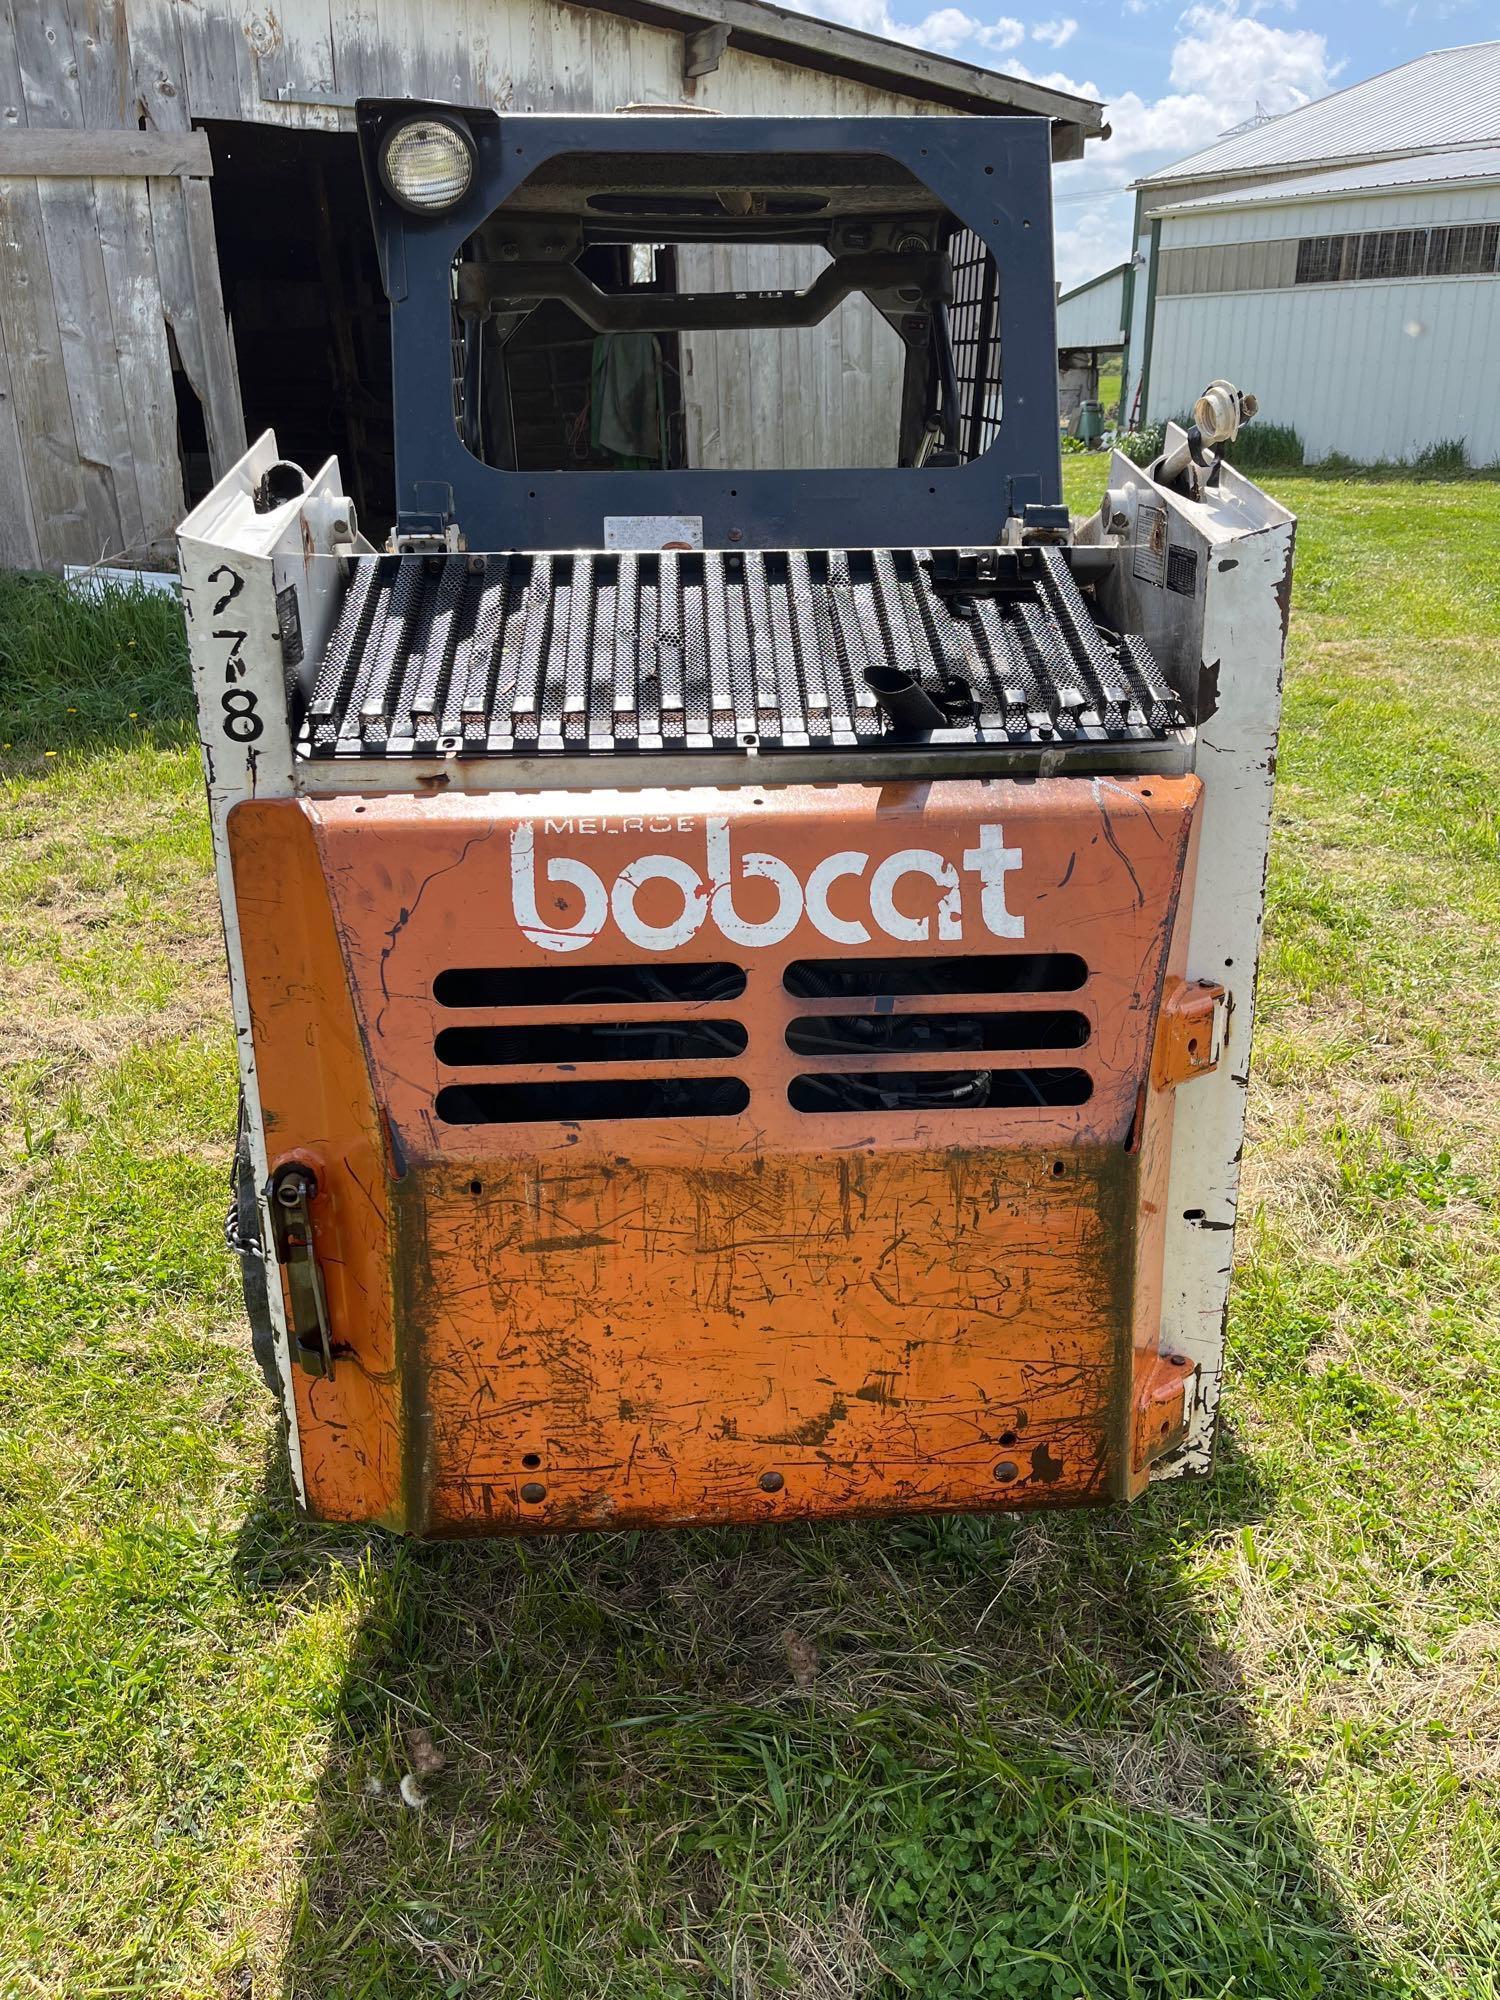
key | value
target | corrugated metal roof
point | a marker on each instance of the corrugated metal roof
(1474, 163)
(1448, 98)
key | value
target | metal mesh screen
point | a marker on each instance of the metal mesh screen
(974, 328)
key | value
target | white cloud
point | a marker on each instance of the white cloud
(1055, 33)
(1001, 35)
(1224, 66)
(1227, 67)
(871, 15)
(1091, 239)
(947, 29)
(1238, 60)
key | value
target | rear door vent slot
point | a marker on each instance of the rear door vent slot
(593, 1100)
(586, 985)
(506, 1042)
(940, 1090)
(932, 1034)
(891, 978)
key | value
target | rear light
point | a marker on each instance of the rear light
(427, 163)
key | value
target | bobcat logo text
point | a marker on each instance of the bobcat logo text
(711, 895)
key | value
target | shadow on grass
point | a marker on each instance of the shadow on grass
(991, 1756)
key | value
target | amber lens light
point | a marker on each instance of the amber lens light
(427, 164)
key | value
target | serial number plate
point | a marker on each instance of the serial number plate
(653, 531)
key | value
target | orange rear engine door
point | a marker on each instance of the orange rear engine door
(692, 1281)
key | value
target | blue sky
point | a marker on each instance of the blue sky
(1173, 76)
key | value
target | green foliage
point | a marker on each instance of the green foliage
(1012, 1880)
(1445, 459)
(1261, 445)
(1143, 445)
(73, 672)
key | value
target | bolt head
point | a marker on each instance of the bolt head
(1006, 1471)
(533, 1491)
(771, 1482)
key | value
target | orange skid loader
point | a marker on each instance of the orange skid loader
(742, 975)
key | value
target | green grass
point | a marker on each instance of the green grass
(1242, 1740)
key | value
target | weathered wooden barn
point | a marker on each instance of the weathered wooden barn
(185, 256)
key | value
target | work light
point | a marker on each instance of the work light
(427, 163)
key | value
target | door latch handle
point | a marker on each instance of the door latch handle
(293, 1188)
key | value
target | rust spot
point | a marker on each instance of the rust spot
(1284, 590)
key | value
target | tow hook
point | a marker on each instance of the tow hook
(293, 1189)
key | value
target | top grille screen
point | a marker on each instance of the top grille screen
(724, 650)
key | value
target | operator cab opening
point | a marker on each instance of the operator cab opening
(726, 311)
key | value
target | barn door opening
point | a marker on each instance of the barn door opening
(302, 287)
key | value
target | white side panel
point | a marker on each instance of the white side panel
(1135, 333)
(1209, 591)
(233, 563)
(1093, 318)
(1375, 369)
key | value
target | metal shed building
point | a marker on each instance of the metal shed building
(1090, 322)
(1343, 261)
(185, 255)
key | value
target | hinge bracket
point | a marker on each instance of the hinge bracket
(1189, 1031)
(293, 1188)
(1162, 1407)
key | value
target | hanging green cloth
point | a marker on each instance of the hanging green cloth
(627, 413)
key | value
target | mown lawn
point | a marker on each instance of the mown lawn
(1244, 1740)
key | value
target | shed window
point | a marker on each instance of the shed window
(1320, 259)
(1464, 249)
(1475, 247)
(1392, 253)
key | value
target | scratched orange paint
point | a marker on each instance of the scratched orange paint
(743, 1317)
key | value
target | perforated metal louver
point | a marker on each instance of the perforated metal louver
(720, 650)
